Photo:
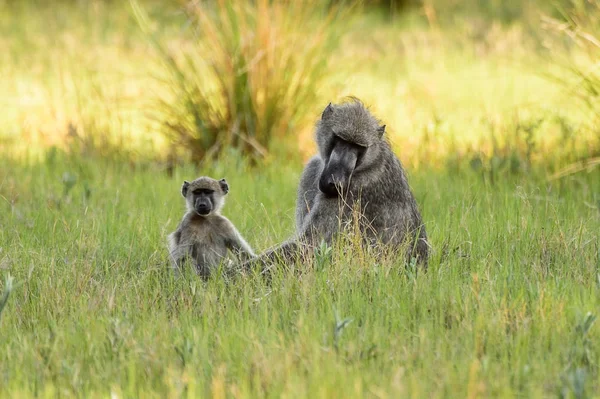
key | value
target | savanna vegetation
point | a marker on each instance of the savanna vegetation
(108, 106)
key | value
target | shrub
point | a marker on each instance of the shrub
(248, 76)
(579, 72)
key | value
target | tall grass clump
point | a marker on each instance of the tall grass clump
(578, 29)
(248, 74)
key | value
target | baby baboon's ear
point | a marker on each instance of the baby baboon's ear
(327, 112)
(224, 186)
(184, 188)
(381, 130)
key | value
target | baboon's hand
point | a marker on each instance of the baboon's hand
(262, 263)
(265, 262)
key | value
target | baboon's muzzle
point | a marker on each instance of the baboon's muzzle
(338, 170)
(202, 207)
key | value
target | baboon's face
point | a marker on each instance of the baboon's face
(346, 136)
(205, 195)
(341, 159)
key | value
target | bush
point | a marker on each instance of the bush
(581, 26)
(579, 71)
(248, 76)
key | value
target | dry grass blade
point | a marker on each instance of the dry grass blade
(576, 168)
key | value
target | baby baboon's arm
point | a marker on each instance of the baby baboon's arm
(236, 243)
(240, 246)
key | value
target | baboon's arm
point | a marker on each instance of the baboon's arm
(235, 242)
(284, 253)
(307, 190)
(319, 224)
(291, 250)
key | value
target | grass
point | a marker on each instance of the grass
(501, 311)
(508, 307)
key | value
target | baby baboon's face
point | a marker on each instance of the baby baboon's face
(205, 195)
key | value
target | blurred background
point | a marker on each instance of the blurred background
(506, 85)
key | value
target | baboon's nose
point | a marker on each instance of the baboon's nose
(327, 186)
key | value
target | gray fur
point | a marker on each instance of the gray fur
(377, 186)
(205, 239)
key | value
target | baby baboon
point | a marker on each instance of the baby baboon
(204, 234)
(355, 168)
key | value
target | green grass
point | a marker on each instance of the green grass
(94, 310)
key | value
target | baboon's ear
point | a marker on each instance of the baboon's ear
(327, 112)
(381, 130)
(184, 188)
(224, 185)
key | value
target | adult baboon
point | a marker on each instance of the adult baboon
(204, 234)
(355, 168)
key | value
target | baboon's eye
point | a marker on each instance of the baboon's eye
(360, 152)
(360, 149)
(205, 191)
(335, 140)
(330, 146)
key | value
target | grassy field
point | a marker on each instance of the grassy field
(87, 197)
(515, 271)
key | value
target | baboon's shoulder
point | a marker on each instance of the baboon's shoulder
(221, 224)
